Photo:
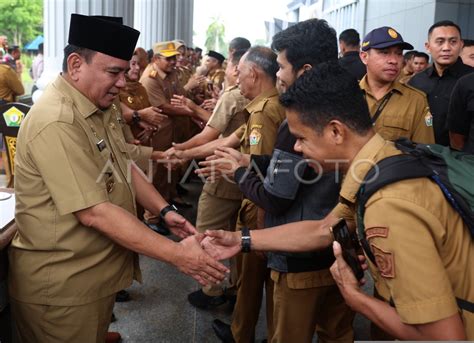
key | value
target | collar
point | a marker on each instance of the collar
(85, 107)
(231, 88)
(396, 86)
(351, 53)
(257, 104)
(369, 155)
(455, 69)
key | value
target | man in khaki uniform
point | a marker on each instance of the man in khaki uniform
(78, 235)
(10, 85)
(219, 201)
(406, 222)
(398, 110)
(161, 81)
(257, 83)
(216, 73)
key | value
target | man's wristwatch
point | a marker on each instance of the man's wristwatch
(135, 117)
(245, 239)
(167, 209)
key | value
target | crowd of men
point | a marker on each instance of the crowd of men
(283, 135)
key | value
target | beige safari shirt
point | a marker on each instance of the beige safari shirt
(423, 250)
(258, 137)
(228, 115)
(265, 116)
(70, 156)
(406, 114)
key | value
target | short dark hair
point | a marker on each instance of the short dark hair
(350, 37)
(237, 55)
(468, 42)
(328, 92)
(198, 49)
(40, 47)
(86, 53)
(423, 55)
(444, 23)
(264, 58)
(239, 43)
(409, 55)
(309, 42)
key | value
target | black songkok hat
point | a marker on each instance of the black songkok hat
(103, 34)
(216, 55)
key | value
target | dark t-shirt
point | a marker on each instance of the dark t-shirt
(438, 90)
(461, 110)
(352, 63)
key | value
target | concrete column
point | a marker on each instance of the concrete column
(162, 20)
(57, 15)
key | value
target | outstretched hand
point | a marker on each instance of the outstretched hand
(195, 262)
(178, 225)
(221, 244)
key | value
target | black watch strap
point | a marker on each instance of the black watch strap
(167, 209)
(136, 117)
(245, 239)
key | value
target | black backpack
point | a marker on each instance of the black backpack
(452, 171)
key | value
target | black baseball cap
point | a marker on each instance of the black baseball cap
(384, 37)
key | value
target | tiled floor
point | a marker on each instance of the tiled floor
(159, 310)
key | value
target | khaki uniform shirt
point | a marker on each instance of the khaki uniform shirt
(70, 156)
(423, 250)
(135, 97)
(184, 74)
(229, 114)
(406, 114)
(10, 85)
(265, 116)
(217, 78)
(159, 85)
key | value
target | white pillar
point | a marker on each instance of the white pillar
(162, 20)
(57, 15)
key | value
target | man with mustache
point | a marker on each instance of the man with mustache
(76, 186)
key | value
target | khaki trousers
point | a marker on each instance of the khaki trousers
(253, 277)
(299, 309)
(216, 213)
(59, 324)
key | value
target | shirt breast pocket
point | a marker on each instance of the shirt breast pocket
(394, 127)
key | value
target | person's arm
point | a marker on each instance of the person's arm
(207, 135)
(14, 83)
(459, 117)
(126, 230)
(308, 235)
(423, 127)
(152, 115)
(385, 316)
(208, 149)
(184, 103)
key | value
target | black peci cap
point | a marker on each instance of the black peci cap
(216, 55)
(103, 34)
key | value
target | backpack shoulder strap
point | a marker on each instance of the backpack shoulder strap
(387, 171)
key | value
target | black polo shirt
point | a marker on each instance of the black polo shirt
(352, 63)
(438, 90)
(461, 111)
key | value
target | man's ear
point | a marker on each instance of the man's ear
(304, 68)
(74, 64)
(336, 131)
(364, 56)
